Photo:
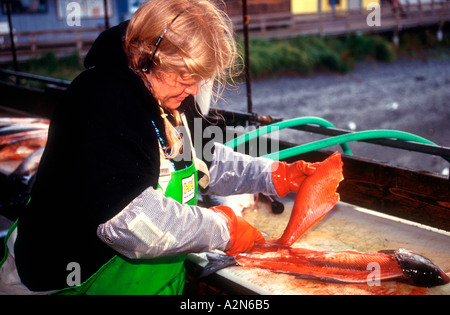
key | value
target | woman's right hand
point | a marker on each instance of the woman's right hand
(243, 236)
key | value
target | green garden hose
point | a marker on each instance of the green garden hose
(282, 125)
(320, 144)
(356, 136)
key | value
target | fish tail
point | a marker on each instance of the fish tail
(216, 262)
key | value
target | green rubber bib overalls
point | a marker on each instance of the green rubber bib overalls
(165, 275)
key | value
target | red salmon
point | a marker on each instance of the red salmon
(316, 197)
(337, 266)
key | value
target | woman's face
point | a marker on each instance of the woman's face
(171, 88)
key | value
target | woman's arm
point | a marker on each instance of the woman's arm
(153, 225)
(234, 173)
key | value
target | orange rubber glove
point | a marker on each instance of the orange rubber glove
(289, 177)
(243, 236)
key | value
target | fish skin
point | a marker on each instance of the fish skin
(316, 197)
(217, 262)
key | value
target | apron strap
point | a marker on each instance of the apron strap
(203, 176)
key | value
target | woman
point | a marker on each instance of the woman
(111, 200)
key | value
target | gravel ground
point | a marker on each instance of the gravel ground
(408, 95)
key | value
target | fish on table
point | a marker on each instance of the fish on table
(239, 203)
(4, 139)
(11, 129)
(22, 147)
(8, 121)
(22, 136)
(337, 266)
(22, 142)
(317, 196)
(243, 203)
(27, 168)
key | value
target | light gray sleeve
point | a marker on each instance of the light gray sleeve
(153, 225)
(233, 173)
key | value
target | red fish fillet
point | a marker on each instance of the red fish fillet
(316, 197)
(334, 266)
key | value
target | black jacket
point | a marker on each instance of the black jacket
(101, 153)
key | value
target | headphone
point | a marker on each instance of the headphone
(146, 64)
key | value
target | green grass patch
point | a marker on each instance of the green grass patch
(308, 54)
(66, 68)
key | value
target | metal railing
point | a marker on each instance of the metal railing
(33, 43)
(347, 21)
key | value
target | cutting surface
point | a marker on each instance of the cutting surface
(344, 228)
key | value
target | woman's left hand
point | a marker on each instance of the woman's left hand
(289, 177)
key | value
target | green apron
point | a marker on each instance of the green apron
(165, 275)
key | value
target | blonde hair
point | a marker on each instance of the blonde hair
(198, 42)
